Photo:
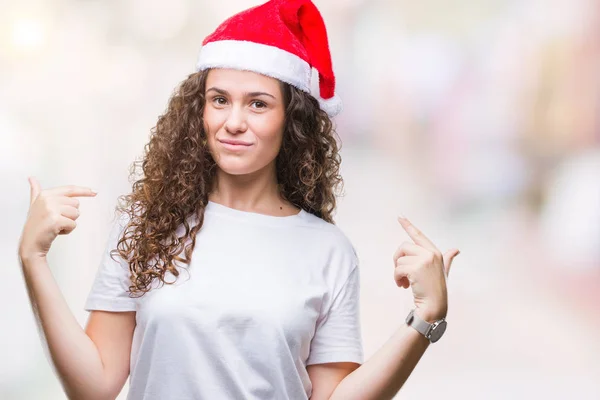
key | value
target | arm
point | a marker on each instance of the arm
(87, 370)
(421, 266)
(382, 375)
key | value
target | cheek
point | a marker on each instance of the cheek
(207, 117)
(270, 148)
(212, 122)
(269, 130)
(270, 142)
(210, 126)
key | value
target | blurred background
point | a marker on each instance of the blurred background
(477, 119)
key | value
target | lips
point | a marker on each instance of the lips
(234, 142)
(236, 146)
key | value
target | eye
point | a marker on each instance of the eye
(260, 104)
(220, 100)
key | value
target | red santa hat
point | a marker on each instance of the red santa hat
(283, 39)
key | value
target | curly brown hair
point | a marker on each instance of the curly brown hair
(178, 173)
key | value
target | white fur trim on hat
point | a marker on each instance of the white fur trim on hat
(266, 60)
(257, 57)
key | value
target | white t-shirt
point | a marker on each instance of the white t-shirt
(263, 297)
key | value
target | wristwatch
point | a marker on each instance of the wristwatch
(433, 331)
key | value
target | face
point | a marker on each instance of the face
(246, 107)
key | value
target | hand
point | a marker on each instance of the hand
(422, 266)
(52, 212)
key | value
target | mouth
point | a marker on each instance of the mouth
(234, 144)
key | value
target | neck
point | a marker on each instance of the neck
(254, 192)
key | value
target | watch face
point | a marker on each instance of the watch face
(437, 333)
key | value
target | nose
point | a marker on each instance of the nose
(236, 121)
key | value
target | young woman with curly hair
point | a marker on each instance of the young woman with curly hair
(225, 276)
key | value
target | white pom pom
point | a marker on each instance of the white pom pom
(331, 106)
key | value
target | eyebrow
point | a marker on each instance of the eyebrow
(247, 94)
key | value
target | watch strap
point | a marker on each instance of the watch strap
(433, 332)
(418, 323)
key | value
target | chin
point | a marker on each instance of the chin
(236, 168)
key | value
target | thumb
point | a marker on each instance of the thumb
(448, 257)
(34, 189)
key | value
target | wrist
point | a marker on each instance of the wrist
(430, 316)
(429, 324)
(28, 259)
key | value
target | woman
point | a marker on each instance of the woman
(232, 280)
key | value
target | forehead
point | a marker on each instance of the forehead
(237, 81)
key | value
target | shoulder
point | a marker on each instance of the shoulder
(332, 237)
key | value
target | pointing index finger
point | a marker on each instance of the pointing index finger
(71, 191)
(415, 234)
